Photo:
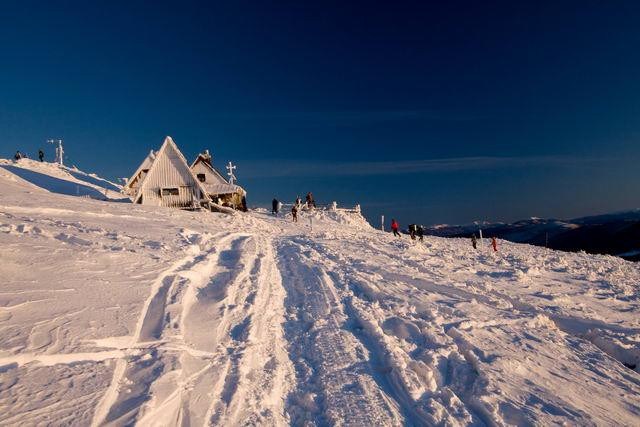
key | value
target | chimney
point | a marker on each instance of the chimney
(206, 157)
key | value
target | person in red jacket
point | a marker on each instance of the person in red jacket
(394, 227)
(494, 243)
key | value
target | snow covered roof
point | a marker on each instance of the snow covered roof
(214, 182)
(204, 159)
(224, 189)
(174, 168)
(145, 165)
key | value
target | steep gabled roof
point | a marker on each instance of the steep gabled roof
(169, 145)
(206, 161)
(145, 165)
(205, 156)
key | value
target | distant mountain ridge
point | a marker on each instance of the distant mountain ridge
(614, 234)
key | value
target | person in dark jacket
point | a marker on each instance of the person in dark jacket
(18, 155)
(294, 213)
(474, 241)
(394, 227)
(412, 231)
(41, 155)
(274, 207)
(420, 232)
(310, 202)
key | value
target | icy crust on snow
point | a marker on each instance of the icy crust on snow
(117, 314)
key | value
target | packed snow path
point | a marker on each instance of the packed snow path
(114, 314)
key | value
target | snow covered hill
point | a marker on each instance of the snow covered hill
(63, 180)
(118, 314)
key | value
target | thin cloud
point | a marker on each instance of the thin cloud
(294, 168)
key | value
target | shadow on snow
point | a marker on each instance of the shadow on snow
(57, 185)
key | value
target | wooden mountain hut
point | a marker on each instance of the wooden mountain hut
(169, 181)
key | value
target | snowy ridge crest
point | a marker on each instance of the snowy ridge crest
(63, 180)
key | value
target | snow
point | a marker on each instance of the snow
(63, 180)
(113, 313)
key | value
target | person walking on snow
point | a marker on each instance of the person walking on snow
(310, 202)
(274, 207)
(412, 231)
(294, 213)
(420, 233)
(394, 227)
(474, 241)
(41, 155)
(494, 244)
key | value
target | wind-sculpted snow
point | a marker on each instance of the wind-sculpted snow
(63, 180)
(117, 314)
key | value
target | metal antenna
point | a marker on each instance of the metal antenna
(59, 150)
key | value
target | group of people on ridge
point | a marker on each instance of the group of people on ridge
(418, 231)
(474, 243)
(415, 230)
(310, 203)
(19, 155)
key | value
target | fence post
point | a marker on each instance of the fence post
(382, 223)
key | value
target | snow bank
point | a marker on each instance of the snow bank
(351, 219)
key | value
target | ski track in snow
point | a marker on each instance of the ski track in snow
(176, 318)
(329, 356)
(216, 354)
(452, 392)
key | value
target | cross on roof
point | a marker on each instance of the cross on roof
(232, 177)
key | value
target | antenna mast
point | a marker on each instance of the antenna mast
(59, 150)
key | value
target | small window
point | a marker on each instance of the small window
(170, 192)
(201, 177)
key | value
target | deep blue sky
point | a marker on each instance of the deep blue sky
(429, 112)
